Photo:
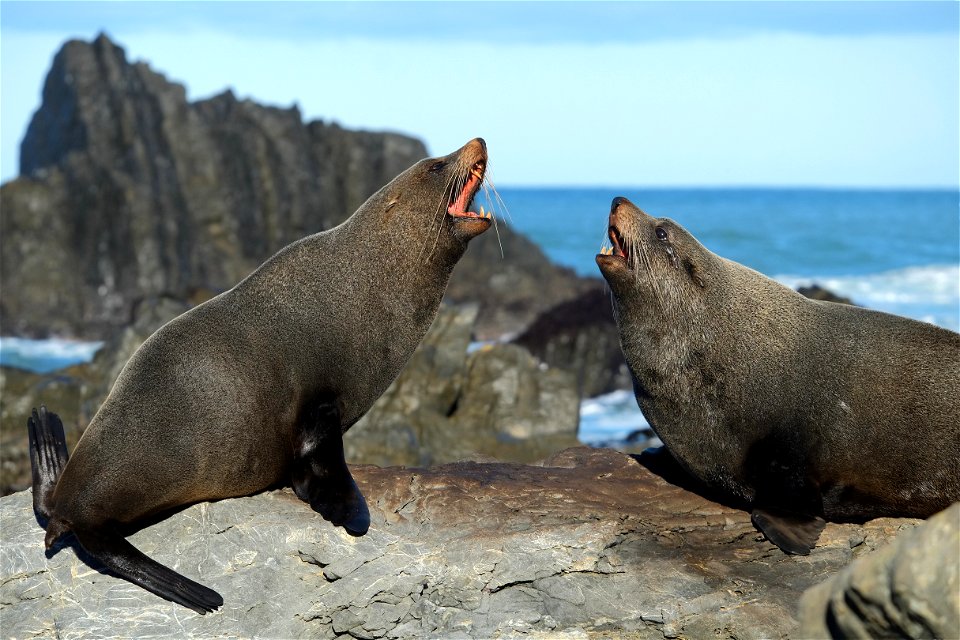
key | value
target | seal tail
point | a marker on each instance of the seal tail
(48, 456)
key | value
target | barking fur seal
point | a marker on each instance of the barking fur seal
(803, 409)
(255, 387)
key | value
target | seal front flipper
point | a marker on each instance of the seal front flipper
(128, 562)
(792, 532)
(321, 476)
(48, 456)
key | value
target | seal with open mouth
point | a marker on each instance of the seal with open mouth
(803, 409)
(255, 387)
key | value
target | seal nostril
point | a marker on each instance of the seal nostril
(616, 203)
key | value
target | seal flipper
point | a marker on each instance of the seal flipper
(129, 563)
(321, 476)
(792, 532)
(48, 456)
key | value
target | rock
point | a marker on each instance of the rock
(816, 292)
(447, 405)
(130, 192)
(588, 543)
(908, 589)
(581, 336)
(514, 287)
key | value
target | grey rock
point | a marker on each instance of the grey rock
(511, 280)
(449, 405)
(130, 192)
(587, 544)
(908, 589)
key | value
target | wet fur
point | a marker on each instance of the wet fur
(790, 404)
(255, 387)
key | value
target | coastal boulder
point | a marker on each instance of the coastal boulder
(589, 543)
(908, 589)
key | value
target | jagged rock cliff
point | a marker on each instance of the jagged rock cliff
(588, 544)
(129, 191)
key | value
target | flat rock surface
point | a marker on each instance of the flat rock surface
(589, 543)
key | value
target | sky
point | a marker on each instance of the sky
(822, 94)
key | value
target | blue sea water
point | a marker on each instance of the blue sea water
(893, 250)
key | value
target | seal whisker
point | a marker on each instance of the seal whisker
(437, 219)
(496, 194)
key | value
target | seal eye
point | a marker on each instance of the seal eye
(437, 166)
(661, 233)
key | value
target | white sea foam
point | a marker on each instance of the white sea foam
(44, 356)
(612, 416)
(929, 293)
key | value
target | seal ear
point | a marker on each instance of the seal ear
(696, 274)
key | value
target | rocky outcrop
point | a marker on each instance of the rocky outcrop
(816, 292)
(909, 589)
(129, 192)
(588, 544)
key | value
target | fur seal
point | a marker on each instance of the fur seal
(805, 410)
(256, 387)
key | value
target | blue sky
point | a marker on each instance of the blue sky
(605, 94)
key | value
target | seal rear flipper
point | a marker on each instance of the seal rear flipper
(48, 456)
(792, 532)
(129, 563)
(320, 474)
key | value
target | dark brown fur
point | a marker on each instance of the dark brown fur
(798, 407)
(255, 387)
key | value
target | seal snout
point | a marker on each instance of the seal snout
(619, 248)
(619, 200)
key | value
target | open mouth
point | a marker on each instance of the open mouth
(619, 248)
(459, 207)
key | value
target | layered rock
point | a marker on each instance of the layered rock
(590, 543)
(130, 192)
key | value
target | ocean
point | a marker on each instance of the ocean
(893, 250)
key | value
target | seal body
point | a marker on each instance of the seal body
(255, 387)
(803, 409)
